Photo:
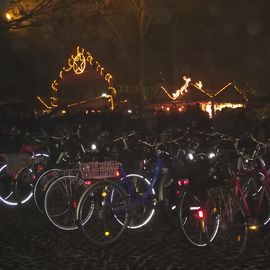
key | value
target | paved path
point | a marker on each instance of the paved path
(28, 241)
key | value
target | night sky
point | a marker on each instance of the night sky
(218, 41)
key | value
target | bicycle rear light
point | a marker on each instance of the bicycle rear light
(183, 182)
(200, 214)
(88, 182)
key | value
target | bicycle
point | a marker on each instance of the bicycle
(240, 210)
(17, 184)
(138, 198)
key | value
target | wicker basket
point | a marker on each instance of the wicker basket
(99, 170)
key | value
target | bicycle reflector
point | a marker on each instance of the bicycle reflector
(183, 182)
(40, 168)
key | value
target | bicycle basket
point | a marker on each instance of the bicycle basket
(99, 170)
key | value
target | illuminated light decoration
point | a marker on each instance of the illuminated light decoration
(104, 194)
(108, 77)
(76, 103)
(208, 108)
(211, 106)
(44, 103)
(8, 16)
(218, 106)
(110, 99)
(226, 86)
(89, 58)
(199, 84)
(78, 63)
(180, 91)
(98, 66)
(107, 233)
(112, 89)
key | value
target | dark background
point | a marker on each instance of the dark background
(217, 42)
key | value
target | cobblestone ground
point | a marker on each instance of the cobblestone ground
(29, 241)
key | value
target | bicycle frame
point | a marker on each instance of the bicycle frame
(239, 192)
(152, 182)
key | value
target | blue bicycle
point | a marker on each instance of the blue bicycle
(123, 200)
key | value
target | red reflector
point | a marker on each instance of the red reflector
(40, 168)
(88, 183)
(183, 182)
(200, 213)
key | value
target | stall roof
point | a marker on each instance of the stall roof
(229, 93)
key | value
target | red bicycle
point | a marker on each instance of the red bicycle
(242, 203)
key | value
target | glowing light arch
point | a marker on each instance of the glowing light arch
(78, 63)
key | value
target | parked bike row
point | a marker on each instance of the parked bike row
(211, 187)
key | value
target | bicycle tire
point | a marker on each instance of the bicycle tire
(108, 202)
(231, 239)
(42, 185)
(190, 223)
(7, 182)
(141, 213)
(169, 199)
(23, 187)
(61, 200)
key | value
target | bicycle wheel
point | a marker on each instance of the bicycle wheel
(169, 197)
(231, 239)
(142, 212)
(108, 203)
(42, 185)
(189, 221)
(7, 195)
(23, 187)
(61, 200)
(25, 179)
(259, 204)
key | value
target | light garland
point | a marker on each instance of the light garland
(178, 92)
(78, 64)
(226, 86)
(44, 103)
(210, 107)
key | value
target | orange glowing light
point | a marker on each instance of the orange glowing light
(78, 64)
